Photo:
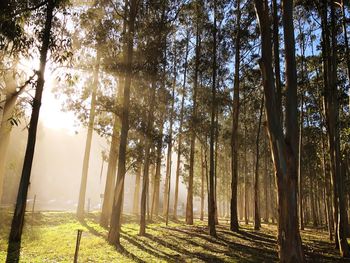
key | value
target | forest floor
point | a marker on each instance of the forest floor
(51, 237)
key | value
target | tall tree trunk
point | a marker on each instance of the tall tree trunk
(342, 217)
(332, 118)
(170, 146)
(114, 232)
(202, 184)
(13, 251)
(266, 183)
(284, 148)
(300, 179)
(156, 185)
(84, 176)
(189, 204)
(111, 171)
(113, 152)
(145, 181)
(257, 222)
(327, 190)
(234, 137)
(179, 147)
(245, 170)
(276, 57)
(216, 164)
(211, 197)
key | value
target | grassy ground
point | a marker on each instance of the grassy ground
(51, 236)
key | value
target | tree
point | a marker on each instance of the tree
(18, 217)
(114, 232)
(234, 138)
(83, 183)
(257, 222)
(284, 148)
(211, 196)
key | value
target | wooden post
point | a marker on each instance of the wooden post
(77, 245)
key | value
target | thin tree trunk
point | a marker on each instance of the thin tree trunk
(13, 251)
(202, 184)
(156, 185)
(327, 190)
(266, 183)
(170, 146)
(211, 197)
(276, 57)
(84, 176)
(245, 171)
(300, 181)
(234, 226)
(145, 181)
(189, 204)
(114, 232)
(179, 147)
(257, 222)
(216, 164)
(111, 171)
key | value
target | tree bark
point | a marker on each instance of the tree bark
(284, 148)
(111, 171)
(202, 184)
(145, 181)
(211, 197)
(332, 119)
(257, 222)
(235, 118)
(114, 232)
(276, 57)
(189, 204)
(84, 176)
(179, 147)
(156, 185)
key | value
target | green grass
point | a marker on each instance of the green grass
(51, 236)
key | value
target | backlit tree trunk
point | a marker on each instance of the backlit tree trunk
(84, 176)
(211, 197)
(114, 232)
(284, 148)
(15, 236)
(189, 204)
(179, 146)
(234, 138)
(148, 140)
(257, 222)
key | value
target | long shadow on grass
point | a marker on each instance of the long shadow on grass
(244, 253)
(134, 240)
(92, 230)
(188, 255)
(128, 254)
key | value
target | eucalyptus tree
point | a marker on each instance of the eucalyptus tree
(47, 11)
(131, 11)
(284, 148)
